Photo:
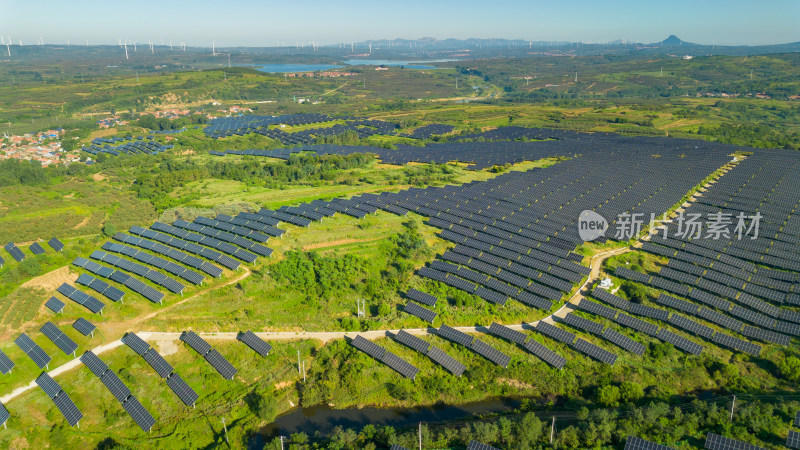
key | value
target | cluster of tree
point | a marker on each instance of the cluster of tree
(752, 135)
(317, 275)
(157, 181)
(31, 173)
(753, 421)
(162, 123)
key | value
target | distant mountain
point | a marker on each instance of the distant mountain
(673, 40)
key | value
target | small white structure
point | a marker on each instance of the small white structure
(605, 284)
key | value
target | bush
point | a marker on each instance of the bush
(608, 396)
(790, 368)
(630, 391)
(109, 229)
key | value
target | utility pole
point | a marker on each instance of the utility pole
(281, 442)
(732, 405)
(304, 371)
(299, 372)
(420, 436)
(225, 428)
(552, 429)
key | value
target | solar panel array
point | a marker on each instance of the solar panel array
(421, 297)
(6, 365)
(176, 255)
(637, 443)
(423, 313)
(32, 349)
(793, 439)
(101, 287)
(61, 340)
(185, 393)
(190, 246)
(213, 357)
(143, 271)
(254, 342)
(55, 244)
(61, 399)
(717, 442)
(84, 327)
(161, 263)
(381, 354)
(475, 445)
(136, 147)
(91, 303)
(55, 305)
(4, 414)
(119, 276)
(15, 252)
(595, 352)
(36, 249)
(224, 255)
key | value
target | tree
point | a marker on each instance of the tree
(790, 368)
(635, 292)
(384, 309)
(109, 229)
(608, 396)
(529, 431)
(630, 391)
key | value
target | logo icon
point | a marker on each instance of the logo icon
(591, 225)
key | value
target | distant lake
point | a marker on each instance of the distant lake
(289, 68)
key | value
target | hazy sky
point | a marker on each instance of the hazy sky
(266, 23)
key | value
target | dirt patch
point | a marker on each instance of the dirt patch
(51, 280)
(514, 383)
(83, 223)
(99, 177)
(283, 384)
(187, 152)
(334, 243)
(167, 347)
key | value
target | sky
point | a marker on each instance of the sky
(266, 23)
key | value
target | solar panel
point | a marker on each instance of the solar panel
(454, 335)
(94, 363)
(255, 343)
(595, 352)
(507, 333)
(691, 326)
(32, 349)
(139, 415)
(15, 252)
(185, 393)
(36, 249)
(48, 385)
(544, 353)
(555, 332)
(62, 341)
(438, 356)
(475, 445)
(4, 414)
(635, 443)
(6, 365)
(68, 409)
(792, 441)
(55, 305)
(490, 353)
(196, 342)
(637, 324)
(412, 341)
(136, 343)
(400, 365)
(372, 349)
(397, 447)
(717, 442)
(623, 341)
(423, 313)
(797, 419)
(158, 363)
(84, 327)
(421, 297)
(117, 388)
(679, 342)
(221, 364)
(597, 309)
(583, 324)
(55, 244)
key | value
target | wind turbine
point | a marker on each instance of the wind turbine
(170, 45)
(183, 44)
(126, 50)
(213, 51)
